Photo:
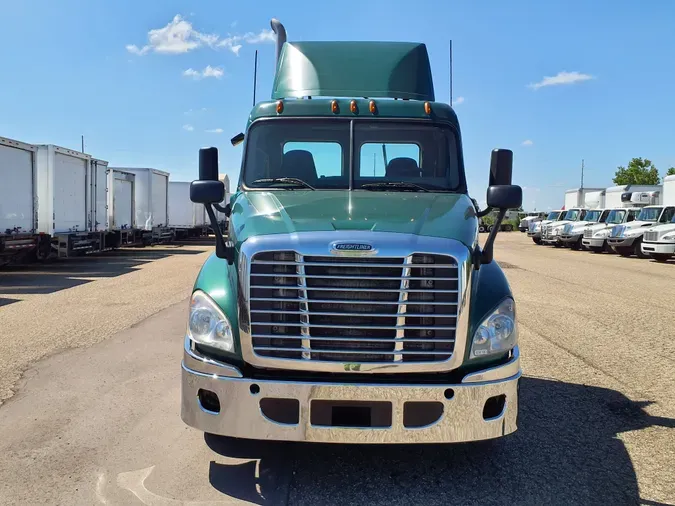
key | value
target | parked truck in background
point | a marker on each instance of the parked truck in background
(535, 229)
(186, 219)
(348, 306)
(121, 209)
(551, 232)
(532, 217)
(19, 237)
(626, 239)
(659, 241)
(624, 204)
(572, 233)
(151, 203)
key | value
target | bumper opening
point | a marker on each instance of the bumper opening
(357, 414)
(208, 401)
(417, 414)
(494, 407)
(285, 411)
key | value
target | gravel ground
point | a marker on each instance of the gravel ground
(99, 424)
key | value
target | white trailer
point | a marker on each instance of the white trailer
(613, 194)
(186, 218)
(121, 209)
(67, 200)
(220, 216)
(151, 202)
(576, 197)
(98, 196)
(18, 197)
(659, 241)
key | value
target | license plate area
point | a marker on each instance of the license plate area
(351, 414)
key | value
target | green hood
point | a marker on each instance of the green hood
(446, 215)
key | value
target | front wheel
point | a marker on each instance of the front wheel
(661, 257)
(638, 249)
(536, 240)
(576, 245)
(624, 251)
(596, 249)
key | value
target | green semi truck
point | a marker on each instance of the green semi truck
(350, 300)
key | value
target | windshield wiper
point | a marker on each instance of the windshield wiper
(400, 185)
(294, 181)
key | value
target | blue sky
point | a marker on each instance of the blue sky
(145, 99)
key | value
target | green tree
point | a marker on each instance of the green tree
(639, 171)
(671, 172)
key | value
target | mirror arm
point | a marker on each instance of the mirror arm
(224, 249)
(487, 253)
(484, 212)
(227, 210)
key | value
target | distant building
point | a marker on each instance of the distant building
(226, 181)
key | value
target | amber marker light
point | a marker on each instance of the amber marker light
(353, 107)
(280, 107)
(372, 107)
(334, 106)
(427, 107)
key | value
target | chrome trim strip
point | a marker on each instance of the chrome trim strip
(205, 365)
(497, 373)
(389, 245)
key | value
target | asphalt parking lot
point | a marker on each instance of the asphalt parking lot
(90, 356)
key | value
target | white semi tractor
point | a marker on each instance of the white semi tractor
(659, 241)
(532, 217)
(624, 203)
(535, 229)
(577, 203)
(626, 239)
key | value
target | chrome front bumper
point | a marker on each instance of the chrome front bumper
(570, 238)
(621, 242)
(241, 415)
(660, 248)
(593, 242)
(534, 235)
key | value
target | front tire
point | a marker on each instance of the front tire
(576, 246)
(661, 257)
(597, 249)
(624, 251)
(638, 249)
(536, 240)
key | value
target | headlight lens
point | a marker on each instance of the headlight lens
(207, 324)
(498, 332)
(603, 233)
(668, 237)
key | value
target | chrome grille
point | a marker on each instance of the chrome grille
(346, 309)
(588, 233)
(617, 231)
(651, 236)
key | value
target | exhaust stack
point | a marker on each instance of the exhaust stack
(280, 32)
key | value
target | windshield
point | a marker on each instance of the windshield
(649, 214)
(593, 216)
(616, 216)
(406, 156)
(553, 215)
(572, 214)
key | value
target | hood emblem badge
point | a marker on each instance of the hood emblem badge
(353, 249)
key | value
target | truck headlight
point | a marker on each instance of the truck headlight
(207, 324)
(602, 233)
(497, 333)
(669, 237)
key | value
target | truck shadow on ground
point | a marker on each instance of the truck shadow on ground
(50, 277)
(566, 451)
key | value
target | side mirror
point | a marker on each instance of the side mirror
(208, 164)
(501, 167)
(207, 192)
(505, 196)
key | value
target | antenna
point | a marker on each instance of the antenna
(451, 73)
(582, 173)
(83, 143)
(255, 74)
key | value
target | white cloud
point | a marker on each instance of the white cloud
(561, 78)
(460, 100)
(526, 142)
(208, 71)
(215, 131)
(531, 189)
(188, 127)
(179, 36)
